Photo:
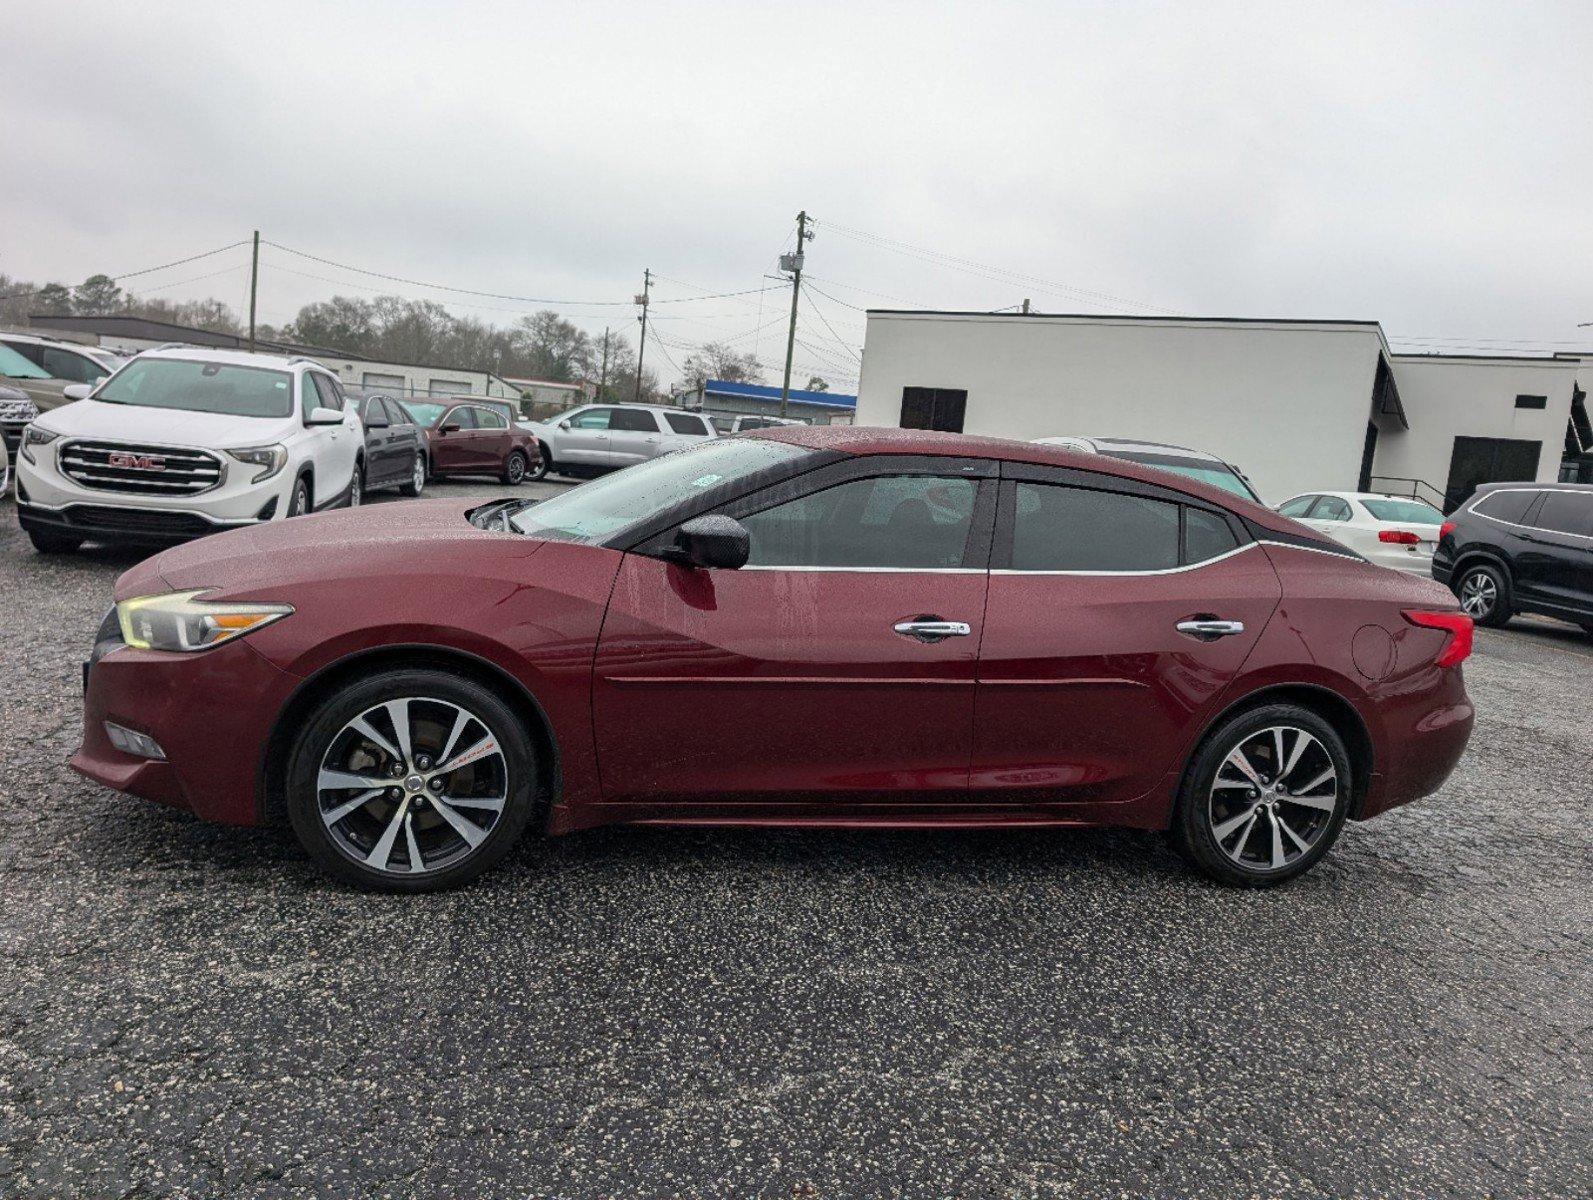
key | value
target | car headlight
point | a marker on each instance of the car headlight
(181, 621)
(33, 436)
(270, 460)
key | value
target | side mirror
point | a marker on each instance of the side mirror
(324, 416)
(449, 428)
(713, 541)
(564, 424)
(76, 391)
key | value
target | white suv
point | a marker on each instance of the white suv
(605, 437)
(186, 441)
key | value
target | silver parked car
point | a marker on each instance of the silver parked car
(1195, 464)
(605, 437)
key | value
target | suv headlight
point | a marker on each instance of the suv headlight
(33, 436)
(181, 621)
(270, 460)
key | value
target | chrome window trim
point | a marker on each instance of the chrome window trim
(872, 570)
(1205, 562)
(1475, 510)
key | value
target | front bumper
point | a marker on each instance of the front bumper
(50, 502)
(211, 712)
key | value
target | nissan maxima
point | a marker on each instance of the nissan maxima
(800, 626)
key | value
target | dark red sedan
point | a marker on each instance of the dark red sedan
(475, 438)
(802, 626)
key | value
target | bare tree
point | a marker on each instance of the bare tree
(816, 384)
(715, 360)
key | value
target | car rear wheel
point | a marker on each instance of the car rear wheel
(1484, 593)
(544, 464)
(417, 478)
(411, 781)
(52, 543)
(1265, 797)
(514, 468)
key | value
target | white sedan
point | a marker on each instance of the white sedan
(1391, 531)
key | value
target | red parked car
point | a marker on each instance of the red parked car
(801, 626)
(465, 438)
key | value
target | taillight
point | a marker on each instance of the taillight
(1459, 627)
(1447, 528)
(1400, 537)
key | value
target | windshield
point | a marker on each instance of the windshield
(201, 387)
(596, 511)
(1408, 512)
(14, 366)
(1217, 474)
(424, 411)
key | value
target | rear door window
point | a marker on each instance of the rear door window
(632, 420)
(1206, 535)
(1297, 507)
(487, 418)
(1331, 508)
(1567, 512)
(1060, 528)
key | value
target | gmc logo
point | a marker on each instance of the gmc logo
(138, 462)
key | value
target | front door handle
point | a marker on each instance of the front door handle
(1209, 629)
(932, 629)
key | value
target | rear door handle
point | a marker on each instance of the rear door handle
(932, 629)
(1210, 628)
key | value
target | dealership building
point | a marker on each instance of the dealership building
(1296, 405)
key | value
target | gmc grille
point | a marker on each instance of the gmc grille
(139, 469)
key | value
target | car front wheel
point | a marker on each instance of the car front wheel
(411, 781)
(300, 503)
(1265, 797)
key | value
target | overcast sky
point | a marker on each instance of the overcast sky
(1428, 166)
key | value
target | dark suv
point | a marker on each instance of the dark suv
(1521, 547)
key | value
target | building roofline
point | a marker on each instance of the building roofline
(1540, 360)
(763, 391)
(1114, 317)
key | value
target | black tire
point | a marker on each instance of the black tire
(46, 542)
(1489, 581)
(544, 464)
(417, 478)
(514, 468)
(1197, 816)
(320, 734)
(356, 484)
(299, 501)
(1587, 627)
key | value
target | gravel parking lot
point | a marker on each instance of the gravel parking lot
(190, 1011)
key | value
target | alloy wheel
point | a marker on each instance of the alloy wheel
(1478, 595)
(515, 468)
(417, 474)
(356, 489)
(412, 786)
(1272, 798)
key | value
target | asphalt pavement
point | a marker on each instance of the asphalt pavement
(188, 1010)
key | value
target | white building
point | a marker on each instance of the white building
(1297, 405)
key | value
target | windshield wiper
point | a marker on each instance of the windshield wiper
(495, 514)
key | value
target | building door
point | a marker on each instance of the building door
(934, 408)
(1488, 460)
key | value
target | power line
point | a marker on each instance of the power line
(443, 287)
(145, 270)
(984, 270)
(845, 344)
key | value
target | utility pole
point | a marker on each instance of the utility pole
(793, 263)
(641, 347)
(254, 286)
(602, 378)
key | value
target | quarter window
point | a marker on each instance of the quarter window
(681, 423)
(1077, 529)
(908, 522)
(1206, 535)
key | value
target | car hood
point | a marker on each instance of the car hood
(166, 426)
(366, 542)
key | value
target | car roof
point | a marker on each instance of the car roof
(240, 358)
(1536, 485)
(859, 439)
(1357, 495)
(1106, 445)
